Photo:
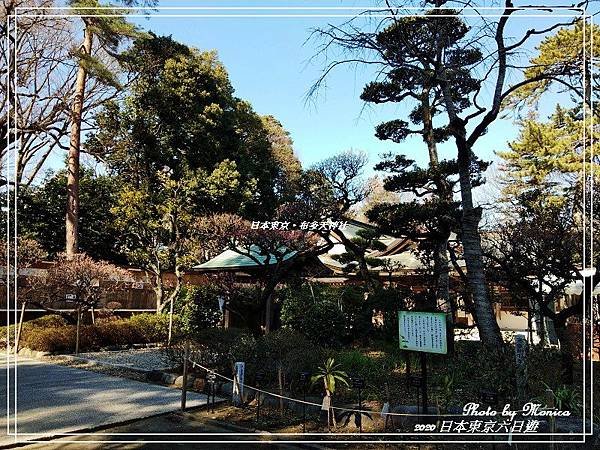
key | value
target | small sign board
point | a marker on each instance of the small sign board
(422, 331)
(211, 377)
(385, 410)
(416, 381)
(488, 396)
(358, 383)
(304, 376)
(70, 296)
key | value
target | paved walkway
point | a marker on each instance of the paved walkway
(52, 399)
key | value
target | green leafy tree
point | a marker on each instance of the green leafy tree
(558, 64)
(457, 53)
(199, 308)
(549, 155)
(185, 148)
(273, 252)
(287, 181)
(180, 114)
(428, 65)
(41, 211)
(157, 230)
(344, 188)
(432, 214)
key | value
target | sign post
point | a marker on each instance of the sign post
(185, 374)
(359, 384)
(211, 378)
(424, 384)
(304, 376)
(423, 332)
(259, 377)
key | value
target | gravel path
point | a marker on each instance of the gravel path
(146, 358)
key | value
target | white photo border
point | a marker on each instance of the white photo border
(585, 17)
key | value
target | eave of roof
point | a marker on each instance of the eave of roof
(233, 260)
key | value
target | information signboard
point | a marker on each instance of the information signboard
(422, 331)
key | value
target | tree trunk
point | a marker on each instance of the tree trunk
(267, 299)
(444, 192)
(442, 271)
(363, 268)
(489, 331)
(172, 297)
(72, 218)
(268, 302)
(566, 353)
(159, 291)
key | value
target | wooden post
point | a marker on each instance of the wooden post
(407, 364)
(360, 411)
(280, 385)
(225, 317)
(521, 363)
(550, 404)
(78, 327)
(186, 354)
(424, 381)
(20, 328)
(170, 322)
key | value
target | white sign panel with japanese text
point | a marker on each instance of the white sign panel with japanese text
(422, 331)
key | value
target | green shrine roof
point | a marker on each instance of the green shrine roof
(230, 259)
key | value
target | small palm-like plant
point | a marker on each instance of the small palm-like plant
(566, 397)
(330, 374)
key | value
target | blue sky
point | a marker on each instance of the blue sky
(268, 60)
(268, 64)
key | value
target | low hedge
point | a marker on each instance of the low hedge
(54, 336)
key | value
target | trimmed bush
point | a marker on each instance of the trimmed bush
(116, 333)
(52, 335)
(153, 327)
(289, 351)
(48, 321)
(57, 339)
(199, 308)
(319, 318)
(218, 348)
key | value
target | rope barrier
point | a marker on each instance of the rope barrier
(194, 364)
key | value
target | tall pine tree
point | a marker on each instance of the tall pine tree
(103, 25)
